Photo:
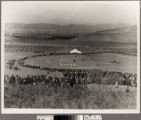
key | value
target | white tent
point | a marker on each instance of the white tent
(75, 51)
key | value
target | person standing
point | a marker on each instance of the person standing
(116, 84)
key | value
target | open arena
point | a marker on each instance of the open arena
(100, 61)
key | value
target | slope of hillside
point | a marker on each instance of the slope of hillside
(72, 32)
(124, 34)
(129, 29)
(71, 28)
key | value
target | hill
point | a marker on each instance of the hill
(72, 32)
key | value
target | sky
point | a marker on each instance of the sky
(125, 12)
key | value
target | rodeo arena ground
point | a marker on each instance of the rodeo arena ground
(71, 79)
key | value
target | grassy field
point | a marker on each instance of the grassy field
(91, 96)
(100, 61)
(94, 61)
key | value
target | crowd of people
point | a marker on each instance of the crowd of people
(110, 78)
(70, 78)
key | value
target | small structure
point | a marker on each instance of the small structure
(75, 51)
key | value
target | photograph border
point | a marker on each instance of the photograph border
(68, 111)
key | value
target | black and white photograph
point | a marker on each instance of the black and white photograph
(70, 57)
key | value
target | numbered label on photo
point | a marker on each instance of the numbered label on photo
(92, 117)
